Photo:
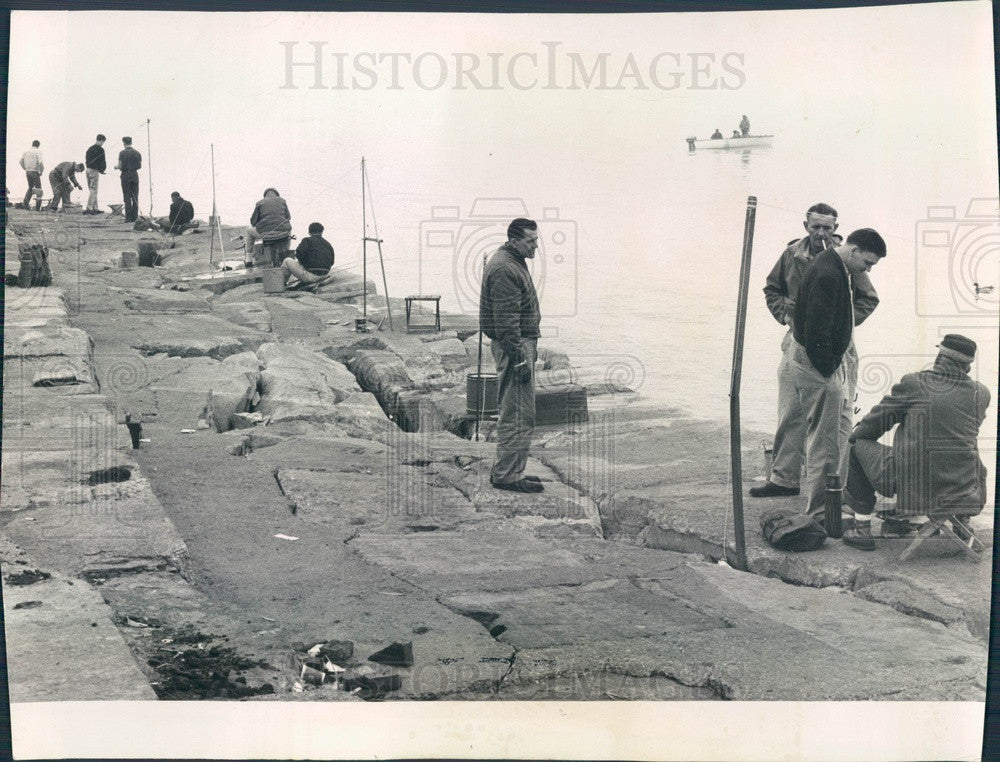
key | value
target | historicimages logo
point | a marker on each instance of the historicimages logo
(958, 261)
(465, 240)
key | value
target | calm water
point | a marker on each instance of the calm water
(641, 278)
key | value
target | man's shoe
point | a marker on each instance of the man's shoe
(860, 538)
(770, 489)
(898, 527)
(521, 485)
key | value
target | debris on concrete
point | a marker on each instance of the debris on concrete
(394, 655)
(27, 577)
(286, 537)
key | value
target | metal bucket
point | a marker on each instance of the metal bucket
(481, 392)
(273, 280)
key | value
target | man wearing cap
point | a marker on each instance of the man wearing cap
(62, 179)
(313, 257)
(130, 162)
(933, 465)
(780, 292)
(96, 163)
(509, 315)
(823, 329)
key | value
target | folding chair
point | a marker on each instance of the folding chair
(952, 527)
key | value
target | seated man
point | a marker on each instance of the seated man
(736, 134)
(717, 135)
(181, 214)
(313, 257)
(933, 466)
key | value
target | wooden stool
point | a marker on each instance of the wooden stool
(951, 527)
(436, 298)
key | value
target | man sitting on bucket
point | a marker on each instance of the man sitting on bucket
(933, 466)
(313, 257)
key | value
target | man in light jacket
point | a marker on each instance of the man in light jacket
(31, 163)
(509, 315)
(933, 466)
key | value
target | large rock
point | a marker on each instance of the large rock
(210, 390)
(52, 338)
(299, 383)
(249, 314)
(190, 336)
(166, 300)
(31, 305)
(62, 644)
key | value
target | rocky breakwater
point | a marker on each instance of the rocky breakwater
(311, 471)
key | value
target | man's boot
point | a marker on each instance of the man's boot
(860, 535)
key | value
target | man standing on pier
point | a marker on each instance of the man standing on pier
(31, 163)
(780, 293)
(509, 315)
(96, 165)
(130, 162)
(62, 179)
(823, 328)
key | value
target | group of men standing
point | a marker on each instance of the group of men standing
(820, 289)
(63, 177)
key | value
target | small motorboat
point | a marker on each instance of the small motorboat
(721, 144)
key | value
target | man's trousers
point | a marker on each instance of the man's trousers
(516, 421)
(34, 181)
(828, 424)
(92, 178)
(790, 436)
(130, 195)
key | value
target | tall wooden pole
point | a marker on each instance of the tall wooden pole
(211, 248)
(149, 167)
(364, 245)
(216, 222)
(735, 453)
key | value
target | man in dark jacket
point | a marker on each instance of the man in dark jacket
(313, 257)
(62, 179)
(130, 162)
(96, 163)
(780, 292)
(823, 328)
(181, 213)
(510, 317)
(933, 465)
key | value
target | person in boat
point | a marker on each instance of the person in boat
(270, 222)
(780, 294)
(745, 126)
(717, 135)
(313, 257)
(933, 465)
(736, 134)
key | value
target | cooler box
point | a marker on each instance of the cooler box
(561, 405)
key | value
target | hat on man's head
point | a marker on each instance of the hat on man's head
(958, 346)
(315, 228)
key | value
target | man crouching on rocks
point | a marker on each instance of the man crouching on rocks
(509, 316)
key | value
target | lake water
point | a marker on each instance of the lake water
(641, 279)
